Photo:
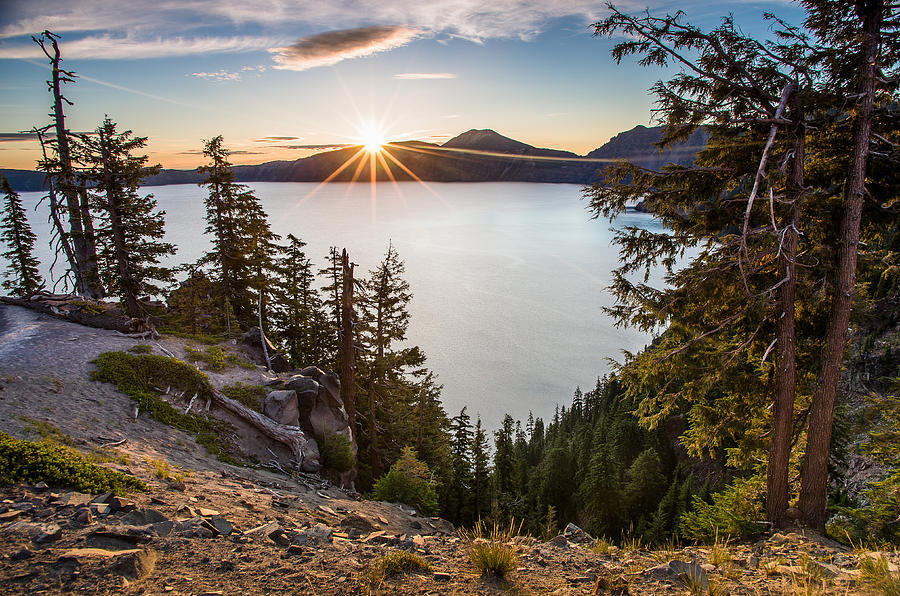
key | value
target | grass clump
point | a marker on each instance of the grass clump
(336, 451)
(401, 561)
(48, 431)
(214, 357)
(141, 375)
(493, 552)
(877, 574)
(140, 349)
(391, 564)
(59, 466)
(249, 395)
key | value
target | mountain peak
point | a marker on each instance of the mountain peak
(486, 140)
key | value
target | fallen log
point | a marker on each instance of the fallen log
(304, 450)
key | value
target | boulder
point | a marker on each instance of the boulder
(306, 387)
(251, 345)
(281, 406)
(575, 534)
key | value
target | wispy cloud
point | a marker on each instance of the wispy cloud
(108, 47)
(419, 76)
(219, 75)
(331, 47)
(111, 29)
(318, 147)
(275, 139)
(14, 137)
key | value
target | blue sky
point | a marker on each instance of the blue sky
(280, 79)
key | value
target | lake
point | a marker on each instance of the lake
(508, 279)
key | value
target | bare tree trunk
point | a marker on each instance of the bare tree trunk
(63, 237)
(86, 280)
(777, 485)
(262, 335)
(814, 475)
(348, 354)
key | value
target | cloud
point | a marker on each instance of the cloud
(419, 76)
(272, 139)
(108, 47)
(219, 75)
(331, 47)
(238, 152)
(317, 147)
(14, 137)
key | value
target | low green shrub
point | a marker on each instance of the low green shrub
(140, 349)
(401, 561)
(214, 357)
(336, 451)
(249, 395)
(59, 466)
(408, 481)
(142, 375)
(734, 513)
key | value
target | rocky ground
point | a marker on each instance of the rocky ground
(213, 528)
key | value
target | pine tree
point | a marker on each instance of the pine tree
(298, 314)
(131, 228)
(243, 244)
(481, 472)
(22, 277)
(460, 506)
(385, 390)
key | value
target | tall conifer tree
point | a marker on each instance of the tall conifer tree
(22, 277)
(131, 227)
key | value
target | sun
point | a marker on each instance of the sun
(373, 139)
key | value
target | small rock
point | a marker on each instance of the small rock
(137, 565)
(575, 534)
(104, 498)
(559, 541)
(262, 531)
(41, 486)
(163, 528)
(134, 518)
(295, 549)
(20, 555)
(415, 525)
(9, 516)
(119, 504)
(280, 537)
(83, 517)
(101, 509)
(320, 533)
(207, 512)
(51, 534)
(327, 509)
(179, 486)
(222, 525)
(752, 562)
(357, 522)
(440, 576)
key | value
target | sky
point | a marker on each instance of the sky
(283, 79)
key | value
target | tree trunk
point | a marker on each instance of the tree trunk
(348, 354)
(777, 484)
(85, 265)
(814, 475)
(126, 282)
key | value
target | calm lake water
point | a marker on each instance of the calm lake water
(508, 279)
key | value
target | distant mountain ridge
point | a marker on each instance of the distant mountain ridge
(477, 155)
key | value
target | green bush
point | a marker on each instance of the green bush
(59, 466)
(249, 395)
(140, 349)
(408, 481)
(336, 451)
(142, 375)
(734, 513)
(214, 358)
